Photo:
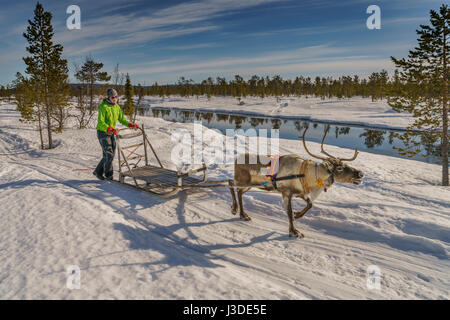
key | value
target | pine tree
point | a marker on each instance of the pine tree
(161, 92)
(238, 87)
(210, 85)
(140, 93)
(89, 74)
(59, 96)
(382, 84)
(128, 107)
(374, 79)
(47, 70)
(27, 102)
(425, 94)
(155, 89)
(9, 92)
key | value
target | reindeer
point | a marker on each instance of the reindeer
(296, 177)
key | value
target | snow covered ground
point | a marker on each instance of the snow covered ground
(132, 245)
(356, 111)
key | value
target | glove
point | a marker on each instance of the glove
(112, 130)
(130, 125)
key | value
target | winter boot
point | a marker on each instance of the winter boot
(98, 175)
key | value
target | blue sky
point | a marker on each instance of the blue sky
(164, 40)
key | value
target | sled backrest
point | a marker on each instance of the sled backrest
(128, 155)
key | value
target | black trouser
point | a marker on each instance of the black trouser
(108, 143)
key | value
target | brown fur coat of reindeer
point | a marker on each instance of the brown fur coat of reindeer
(315, 178)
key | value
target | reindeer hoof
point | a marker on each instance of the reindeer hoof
(296, 233)
(245, 217)
(233, 210)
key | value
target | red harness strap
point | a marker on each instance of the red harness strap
(272, 167)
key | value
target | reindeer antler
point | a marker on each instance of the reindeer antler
(304, 145)
(352, 158)
(323, 139)
(324, 152)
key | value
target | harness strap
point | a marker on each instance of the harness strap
(272, 168)
(318, 179)
(302, 179)
(292, 176)
(301, 176)
(274, 179)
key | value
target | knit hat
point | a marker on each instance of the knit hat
(112, 93)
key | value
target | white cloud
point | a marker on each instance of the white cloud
(192, 46)
(303, 59)
(405, 20)
(126, 29)
(139, 37)
(348, 66)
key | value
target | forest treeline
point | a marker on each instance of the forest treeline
(377, 86)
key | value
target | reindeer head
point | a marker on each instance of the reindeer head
(341, 171)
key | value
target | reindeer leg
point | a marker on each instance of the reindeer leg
(299, 214)
(234, 206)
(243, 215)
(287, 197)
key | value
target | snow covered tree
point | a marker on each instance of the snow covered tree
(425, 74)
(47, 70)
(128, 107)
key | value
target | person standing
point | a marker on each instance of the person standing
(108, 114)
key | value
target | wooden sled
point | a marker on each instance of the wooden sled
(154, 179)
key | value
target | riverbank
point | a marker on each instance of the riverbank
(354, 111)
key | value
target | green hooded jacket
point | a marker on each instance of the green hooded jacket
(108, 116)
